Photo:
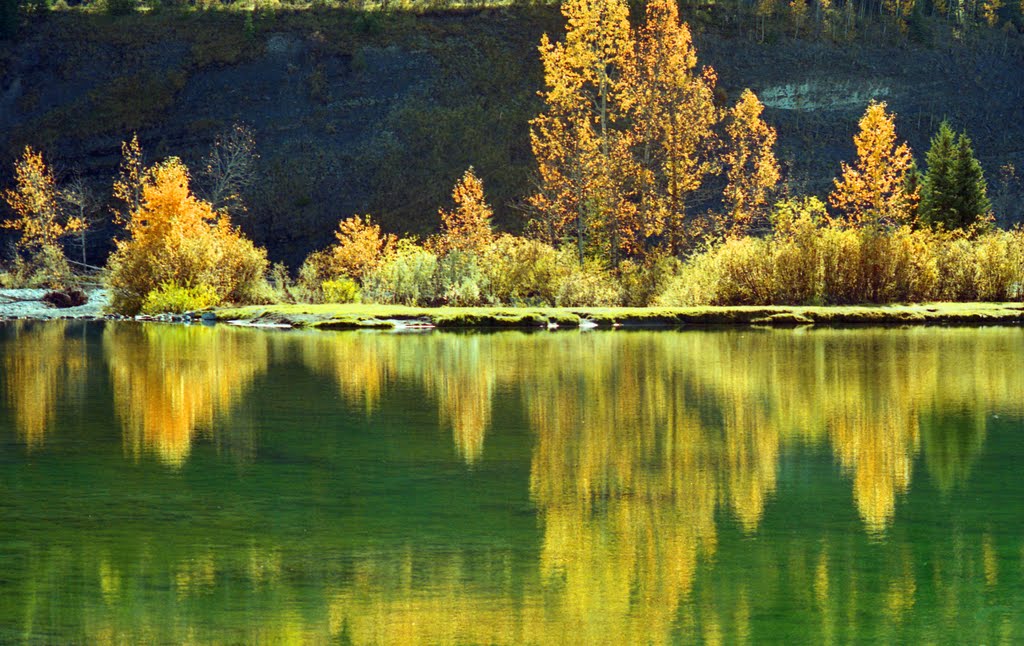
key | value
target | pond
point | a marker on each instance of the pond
(173, 484)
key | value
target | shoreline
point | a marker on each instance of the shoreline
(27, 305)
(359, 316)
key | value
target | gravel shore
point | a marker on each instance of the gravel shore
(28, 304)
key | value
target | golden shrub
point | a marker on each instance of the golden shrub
(999, 265)
(811, 259)
(176, 238)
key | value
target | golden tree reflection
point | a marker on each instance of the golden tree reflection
(171, 382)
(39, 364)
(451, 369)
(659, 463)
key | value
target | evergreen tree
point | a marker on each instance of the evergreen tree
(972, 201)
(939, 188)
(954, 193)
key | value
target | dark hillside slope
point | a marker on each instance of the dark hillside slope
(357, 113)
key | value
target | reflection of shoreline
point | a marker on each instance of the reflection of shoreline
(171, 382)
(603, 404)
(642, 445)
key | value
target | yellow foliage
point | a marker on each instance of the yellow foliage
(361, 248)
(752, 170)
(171, 383)
(37, 215)
(575, 143)
(468, 226)
(872, 191)
(130, 180)
(673, 115)
(811, 259)
(176, 238)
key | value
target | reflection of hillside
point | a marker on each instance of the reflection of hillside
(170, 382)
(37, 367)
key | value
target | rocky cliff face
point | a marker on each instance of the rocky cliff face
(356, 114)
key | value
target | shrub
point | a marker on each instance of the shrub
(955, 265)
(407, 278)
(695, 284)
(340, 290)
(999, 265)
(588, 285)
(522, 271)
(175, 238)
(173, 298)
(804, 263)
(317, 268)
(745, 271)
(640, 283)
(459, 280)
(361, 248)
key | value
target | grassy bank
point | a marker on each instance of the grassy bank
(387, 316)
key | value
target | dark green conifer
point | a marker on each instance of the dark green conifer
(939, 186)
(954, 192)
(971, 189)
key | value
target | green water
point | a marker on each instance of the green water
(171, 484)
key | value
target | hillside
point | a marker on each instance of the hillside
(381, 113)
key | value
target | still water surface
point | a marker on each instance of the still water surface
(171, 484)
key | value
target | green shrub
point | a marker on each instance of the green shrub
(120, 7)
(173, 298)
(696, 283)
(459, 280)
(46, 267)
(340, 290)
(407, 278)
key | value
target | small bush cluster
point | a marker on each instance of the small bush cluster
(811, 260)
(172, 298)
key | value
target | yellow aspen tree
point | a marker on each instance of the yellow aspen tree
(130, 178)
(468, 226)
(361, 247)
(990, 11)
(798, 15)
(752, 171)
(764, 10)
(873, 190)
(35, 201)
(673, 116)
(574, 138)
(900, 10)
